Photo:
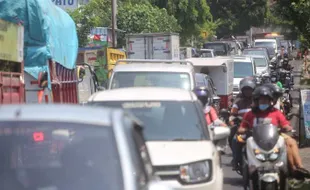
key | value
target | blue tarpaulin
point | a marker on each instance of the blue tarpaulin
(50, 33)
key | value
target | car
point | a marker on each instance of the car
(160, 73)
(182, 148)
(270, 44)
(203, 80)
(261, 63)
(220, 48)
(235, 46)
(206, 53)
(244, 66)
(257, 51)
(73, 147)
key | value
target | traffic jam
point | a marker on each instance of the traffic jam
(159, 119)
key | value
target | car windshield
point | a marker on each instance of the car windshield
(260, 62)
(164, 120)
(56, 155)
(219, 49)
(151, 79)
(205, 54)
(254, 52)
(243, 69)
(265, 44)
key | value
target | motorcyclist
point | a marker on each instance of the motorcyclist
(264, 112)
(241, 105)
(277, 93)
(211, 116)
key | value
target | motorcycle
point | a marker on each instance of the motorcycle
(265, 165)
(287, 102)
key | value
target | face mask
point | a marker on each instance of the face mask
(263, 107)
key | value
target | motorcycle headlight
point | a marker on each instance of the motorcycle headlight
(273, 79)
(195, 172)
(273, 156)
(261, 157)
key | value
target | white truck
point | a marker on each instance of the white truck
(153, 46)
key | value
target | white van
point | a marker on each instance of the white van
(270, 44)
(244, 66)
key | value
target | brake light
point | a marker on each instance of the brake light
(38, 136)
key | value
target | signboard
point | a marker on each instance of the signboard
(11, 41)
(69, 4)
(305, 102)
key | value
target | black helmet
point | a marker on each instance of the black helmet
(203, 95)
(262, 91)
(276, 90)
(247, 82)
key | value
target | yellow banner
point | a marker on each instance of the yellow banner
(11, 41)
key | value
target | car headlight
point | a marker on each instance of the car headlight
(195, 172)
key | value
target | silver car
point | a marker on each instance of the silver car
(66, 147)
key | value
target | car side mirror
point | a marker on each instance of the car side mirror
(220, 133)
(81, 72)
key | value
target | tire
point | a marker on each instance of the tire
(270, 186)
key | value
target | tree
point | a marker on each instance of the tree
(96, 13)
(132, 18)
(193, 16)
(237, 16)
(297, 13)
(138, 18)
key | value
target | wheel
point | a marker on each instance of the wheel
(269, 186)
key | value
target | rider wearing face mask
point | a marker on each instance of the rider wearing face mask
(264, 112)
(277, 93)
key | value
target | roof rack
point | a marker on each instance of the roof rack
(128, 61)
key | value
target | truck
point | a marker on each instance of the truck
(153, 46)
(99, 62)
(39, 47)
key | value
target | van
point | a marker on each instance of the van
(270, 44)
(243, 67)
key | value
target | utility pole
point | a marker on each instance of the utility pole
(114, 23)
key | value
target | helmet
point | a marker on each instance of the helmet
(203, 95)
(247, 82)
(276, 90)
(262, 91)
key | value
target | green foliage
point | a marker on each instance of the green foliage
(193, 16)
(132, 18)
(296, 13)
(96, 13)
(138, 18)
(237, 16)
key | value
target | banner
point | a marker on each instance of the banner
(305, 103)
(11, 41)
(69, 4)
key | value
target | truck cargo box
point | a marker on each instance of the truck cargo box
(153, 46)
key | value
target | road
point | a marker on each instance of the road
(233, 181)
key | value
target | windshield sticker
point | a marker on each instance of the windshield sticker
(129, 105)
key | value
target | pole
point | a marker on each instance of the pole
(113, 22)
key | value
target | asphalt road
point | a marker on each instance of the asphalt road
(232, 180)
